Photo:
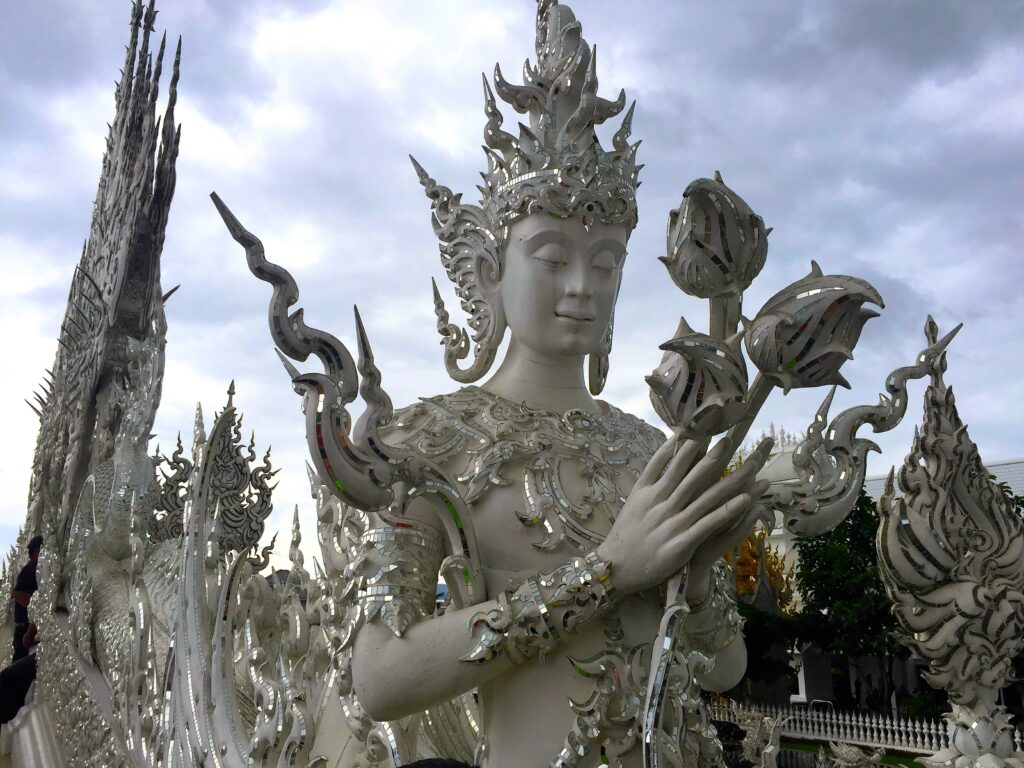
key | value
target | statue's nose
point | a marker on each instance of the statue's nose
(577, 283)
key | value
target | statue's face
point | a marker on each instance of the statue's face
(560, 281)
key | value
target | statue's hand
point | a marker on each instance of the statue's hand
(720, 543)
(681, 513)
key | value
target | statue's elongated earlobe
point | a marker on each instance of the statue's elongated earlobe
(597, 362)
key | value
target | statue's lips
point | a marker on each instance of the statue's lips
(575, 318)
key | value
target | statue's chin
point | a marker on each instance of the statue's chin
(560, 346)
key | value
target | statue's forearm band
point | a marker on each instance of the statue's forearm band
(532, 618)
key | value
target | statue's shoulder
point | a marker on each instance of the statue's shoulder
(442, 427)
(648, 437)
(473, 422)
(457, 406)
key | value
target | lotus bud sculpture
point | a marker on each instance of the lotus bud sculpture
(805, 332)
(700, 384)
(717, 245)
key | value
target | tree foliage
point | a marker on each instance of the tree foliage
(845, 608)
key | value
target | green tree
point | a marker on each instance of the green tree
(845, 608)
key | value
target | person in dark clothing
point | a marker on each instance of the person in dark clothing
(16, 679)
(24, 588)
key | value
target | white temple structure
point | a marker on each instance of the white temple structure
(590, 607)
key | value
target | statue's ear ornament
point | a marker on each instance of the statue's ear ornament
(469, 246)
(597, 362)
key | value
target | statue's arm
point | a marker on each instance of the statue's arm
(401, 670)
(730, 666)
(397, 676)
(715, 628)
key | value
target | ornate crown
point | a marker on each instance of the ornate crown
(557, 166)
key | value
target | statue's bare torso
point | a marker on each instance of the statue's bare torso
(544, 486)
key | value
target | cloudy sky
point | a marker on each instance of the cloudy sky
(883, 140)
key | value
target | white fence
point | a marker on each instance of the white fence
(862, 728)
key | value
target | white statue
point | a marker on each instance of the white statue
(581, 547)
(842, 755)
(951, 556)
(762, 738)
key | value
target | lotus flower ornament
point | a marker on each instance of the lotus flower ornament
(700, 384)
(805, 332)
(716, 244)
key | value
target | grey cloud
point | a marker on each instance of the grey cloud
(802, 106)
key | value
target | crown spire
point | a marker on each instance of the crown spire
(557, 164)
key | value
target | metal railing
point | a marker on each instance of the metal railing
(869, 729)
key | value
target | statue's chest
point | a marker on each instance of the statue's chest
(535, 479)
(548, 512)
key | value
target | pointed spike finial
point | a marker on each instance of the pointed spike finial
(293, 372)
(362, 341)
(488, 93)
(294, 552)
(231, 394)
(942, 343)
(166, 296)
(421, 172)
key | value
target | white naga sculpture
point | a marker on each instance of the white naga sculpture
(951, 555)
(588, 602)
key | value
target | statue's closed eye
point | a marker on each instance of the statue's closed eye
(604, 261)
(552, 254)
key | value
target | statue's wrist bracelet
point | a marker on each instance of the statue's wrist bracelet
(532, 618)
(714, 621)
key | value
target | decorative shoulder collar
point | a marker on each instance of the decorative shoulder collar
(476, 436)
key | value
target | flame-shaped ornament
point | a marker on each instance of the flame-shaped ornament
(716, 244)
(951, 558)
(805, 332)
(700, 384)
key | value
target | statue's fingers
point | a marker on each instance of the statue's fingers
(681, 462)
(710, 469)
(741, 480)
(761, 452)
(689, 518)
(754, 462)
(658, 461)
(685, 481)
(744, 527)
(721, 519)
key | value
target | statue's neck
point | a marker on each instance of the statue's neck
(542, 381)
